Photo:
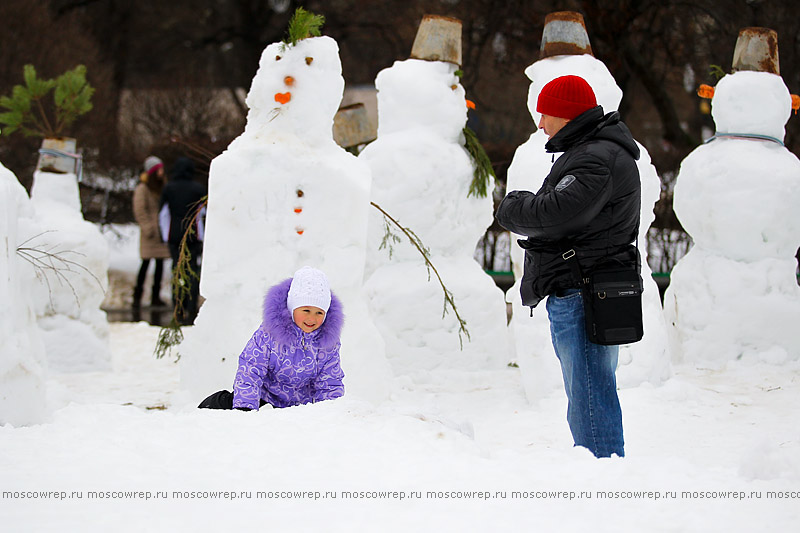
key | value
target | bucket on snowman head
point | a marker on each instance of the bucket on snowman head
(58, 155)
(351, 126)
(564, 34)
(438, 39)
(757, 49)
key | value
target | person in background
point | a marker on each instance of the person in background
(146, 197)
(181, 210)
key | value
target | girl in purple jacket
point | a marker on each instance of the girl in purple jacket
(293, 356)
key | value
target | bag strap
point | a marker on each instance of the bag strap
(572, 260)
(571, 257)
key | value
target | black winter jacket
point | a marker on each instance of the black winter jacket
(182, 195)
(589, 202)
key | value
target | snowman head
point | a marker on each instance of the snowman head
(416, 93)
(751, 103)
(297, 90)
(754, 99)
(594, 71)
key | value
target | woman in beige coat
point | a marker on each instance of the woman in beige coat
(146, 198)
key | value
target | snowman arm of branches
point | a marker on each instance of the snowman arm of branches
(50, 260)
(171, 334)
(417, 243)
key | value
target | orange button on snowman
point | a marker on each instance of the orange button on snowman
(284, 98)
(299, 209)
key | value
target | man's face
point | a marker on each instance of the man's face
(552, 125)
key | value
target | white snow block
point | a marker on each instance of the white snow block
(22, 355)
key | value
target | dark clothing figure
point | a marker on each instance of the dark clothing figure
(589, 203)
(183, 196)
(158, 275)
(592, 198)
(180, 207)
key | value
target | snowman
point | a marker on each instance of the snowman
(566, 50)
(734, 294)
(284, 195)
(71, 288)
(421, 178)
(22, 355)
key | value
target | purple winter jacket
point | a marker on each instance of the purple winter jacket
(285, 366)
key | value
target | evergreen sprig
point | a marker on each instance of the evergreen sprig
(30, 112)
(716, 71)
(484, 173)
(303, 25)
(171, 334)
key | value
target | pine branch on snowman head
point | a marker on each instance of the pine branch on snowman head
(303, 25)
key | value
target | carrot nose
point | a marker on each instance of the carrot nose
(283, 98)
(289, 81)
(705, 91)
(298, 210)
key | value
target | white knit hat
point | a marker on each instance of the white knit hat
(309, 287)
(152, 163)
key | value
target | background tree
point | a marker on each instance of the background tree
(31, 35)
(659, 51)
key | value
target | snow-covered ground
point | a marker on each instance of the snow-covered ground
(711, 450)
(451, 446)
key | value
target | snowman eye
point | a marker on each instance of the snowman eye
(309, 60)
(277, 58)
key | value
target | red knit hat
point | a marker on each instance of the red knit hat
(566, 97)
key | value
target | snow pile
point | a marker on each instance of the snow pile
(284, 195)
(707, 451)
(734, 294)
(22, 356)
(68, 296)
(645, 361)
(421, 178)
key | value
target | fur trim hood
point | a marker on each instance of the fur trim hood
(279, 323)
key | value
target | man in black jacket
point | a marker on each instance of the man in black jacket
(589, 203)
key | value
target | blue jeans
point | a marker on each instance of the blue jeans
(593, 413)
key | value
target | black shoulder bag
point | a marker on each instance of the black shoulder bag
(612, 299)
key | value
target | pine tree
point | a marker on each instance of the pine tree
(30, 111)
